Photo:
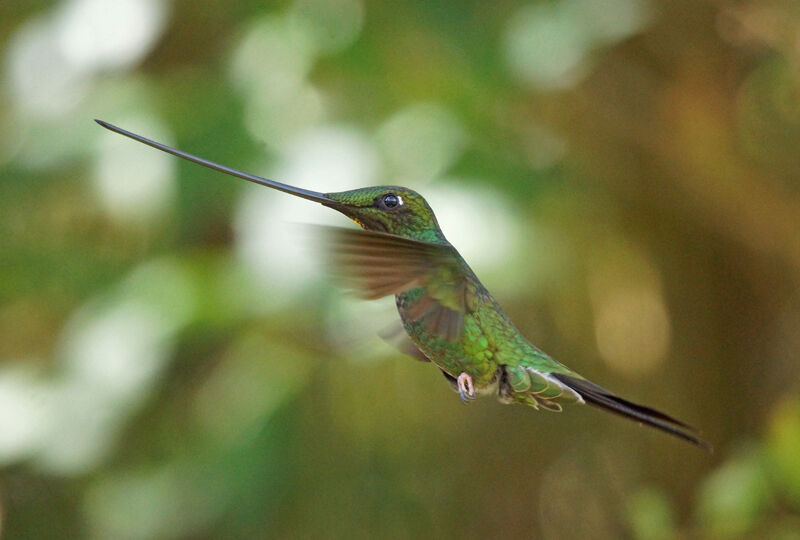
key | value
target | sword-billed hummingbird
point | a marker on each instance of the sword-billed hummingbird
(449, 316)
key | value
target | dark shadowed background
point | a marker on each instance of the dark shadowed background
(622, 175)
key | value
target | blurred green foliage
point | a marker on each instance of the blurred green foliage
(622, 175)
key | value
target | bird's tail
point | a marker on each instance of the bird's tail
(602, 398)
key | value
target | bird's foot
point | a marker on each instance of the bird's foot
(465, 387)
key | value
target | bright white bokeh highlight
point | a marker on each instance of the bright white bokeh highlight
(109, 356)
(549, 46)
(270, 67)
(273, 57)
(100, 35)
(420, 142)
(477, 221)
(52, 58)
(40, 80)
(133, 182)
(331, 158)
(281, 257)
(545, 48)
(24, 408)
(116, 351)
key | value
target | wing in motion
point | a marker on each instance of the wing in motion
(376, 264)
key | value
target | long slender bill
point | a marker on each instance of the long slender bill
(300, 192)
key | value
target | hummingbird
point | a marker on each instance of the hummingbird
(449, 318)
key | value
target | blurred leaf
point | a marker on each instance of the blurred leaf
(650, 515)
(783, 447)
(733, 499)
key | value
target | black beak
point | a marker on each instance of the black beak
(304, 193)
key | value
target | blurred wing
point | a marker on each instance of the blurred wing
(376, 264)
(397, 336)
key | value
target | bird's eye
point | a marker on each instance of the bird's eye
(391, 201)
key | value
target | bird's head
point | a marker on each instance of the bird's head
(392, 209)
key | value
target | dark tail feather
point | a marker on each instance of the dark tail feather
(600, 397)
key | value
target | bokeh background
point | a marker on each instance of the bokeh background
(623, 175)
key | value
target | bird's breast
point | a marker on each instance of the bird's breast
(469, 350)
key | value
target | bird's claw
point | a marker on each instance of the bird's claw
(465, 387)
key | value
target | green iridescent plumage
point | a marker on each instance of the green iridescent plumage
(446, 311)
(449, 317)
